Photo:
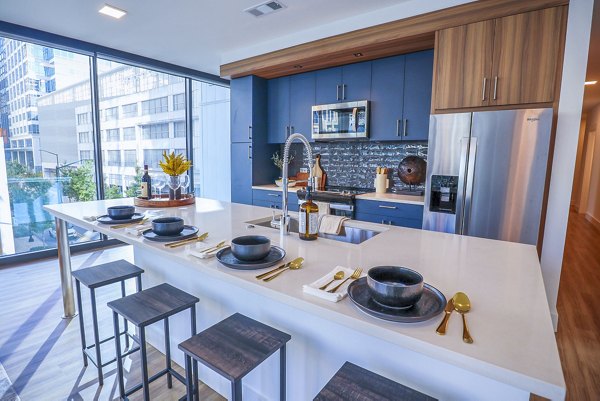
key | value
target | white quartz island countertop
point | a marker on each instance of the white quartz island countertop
(514, 342)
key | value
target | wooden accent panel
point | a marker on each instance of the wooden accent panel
(463, 64)
(526, 50)
(402, 36)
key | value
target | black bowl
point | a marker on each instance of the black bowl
(394, 286)
(167, 225)
(120, 212)
(250, 247)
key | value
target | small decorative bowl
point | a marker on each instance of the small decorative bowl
(120, 212)
(167, 225)
(394, 286)
(291, 183)
(250, 247)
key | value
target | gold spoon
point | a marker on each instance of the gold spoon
(294, 265)
(462, 305)
(283, 266)
(337, 276)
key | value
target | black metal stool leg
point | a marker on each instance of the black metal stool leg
(144, 362)
(168, 354)
(236, 390)
(96, 337)
(189, 384)
(118, 355)
(194, 362)
(138, 283)
(282, 373)
(81, 325)
(123, 294)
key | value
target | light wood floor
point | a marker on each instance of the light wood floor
(41, 352)
(41, 355)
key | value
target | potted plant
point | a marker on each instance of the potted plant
(174, 166)
(278, 161)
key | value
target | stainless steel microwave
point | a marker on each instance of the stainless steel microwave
(340, 121)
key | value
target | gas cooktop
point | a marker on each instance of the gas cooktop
(335, 193)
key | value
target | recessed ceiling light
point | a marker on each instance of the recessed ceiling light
(112, 11)
(265, 8)
(591, 82)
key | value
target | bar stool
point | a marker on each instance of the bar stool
(93, 278)
(353, 383)
(142, 309)
(233, 348)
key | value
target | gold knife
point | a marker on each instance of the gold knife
(441, 330)
(187, 241)
(137, 223)
(283, 266)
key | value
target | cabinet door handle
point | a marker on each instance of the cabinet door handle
(404, 133)
(483, 91)
(495, 87)
(249, 132)
(287, 131)
(337, 92)
(387, 207)
(344, 92)
(398, 127)
(249, 151)
(382, 221)
(291, 130)
(277, 195)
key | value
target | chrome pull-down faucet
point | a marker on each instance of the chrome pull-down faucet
(285, 217)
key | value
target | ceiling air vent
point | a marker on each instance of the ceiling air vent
(265, 8)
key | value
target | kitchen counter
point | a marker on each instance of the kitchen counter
(391, 197)
(514, 351)
(273, 187)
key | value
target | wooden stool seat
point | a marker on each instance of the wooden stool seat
(107, 273)
(234, 347)
(353, 383)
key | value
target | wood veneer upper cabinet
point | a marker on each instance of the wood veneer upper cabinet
(463, 64)
(526, 52)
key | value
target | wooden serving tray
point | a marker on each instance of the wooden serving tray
(164, 201)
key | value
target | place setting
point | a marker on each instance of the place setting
(250, 252)
(173, 231)
(121, 216)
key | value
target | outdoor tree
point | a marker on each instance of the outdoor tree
(134, 188)
(81, 186)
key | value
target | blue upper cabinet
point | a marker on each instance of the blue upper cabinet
(387, 102)
(302, 99)
(356, 82)
(290, 100)
(417, 95)
(278, 95)
(328, 85)
(241, 109)
(401, 97)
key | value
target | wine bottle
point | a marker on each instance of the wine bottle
(309, 218)
(146, 184)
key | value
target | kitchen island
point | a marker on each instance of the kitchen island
(514, 351)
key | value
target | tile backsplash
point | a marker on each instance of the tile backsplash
(353, 163)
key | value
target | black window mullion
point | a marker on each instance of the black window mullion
(96, 131)
(189, 138)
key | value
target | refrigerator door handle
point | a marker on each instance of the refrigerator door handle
(460, 191)
(469, 184)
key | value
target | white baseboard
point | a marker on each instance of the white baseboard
(593, 220)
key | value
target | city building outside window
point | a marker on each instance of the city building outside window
(85, 155)
(179, 101)
(155, 131)
(153, 156)
(112, 135)
(113, 158)
(129, 110)
(130, 158)
(154, 106)
(84, 137)
(83, 118)
(110, 114)
(129, 134)
(179, 129)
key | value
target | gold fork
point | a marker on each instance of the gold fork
(137, 223)
(355, 275)
(188, 241)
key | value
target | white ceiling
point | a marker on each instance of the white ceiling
(203, 34)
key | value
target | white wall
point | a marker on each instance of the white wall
(579, 165)
(589, 174)
(563, 165)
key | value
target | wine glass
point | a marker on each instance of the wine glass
(185, 183)
(174, 183)
(159, 183)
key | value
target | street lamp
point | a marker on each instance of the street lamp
(57, 174)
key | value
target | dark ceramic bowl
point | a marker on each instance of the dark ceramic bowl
(394, 286)
(120, 212)
(167, 225)
(250, 247)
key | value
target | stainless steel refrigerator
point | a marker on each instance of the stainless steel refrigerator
(486, 173)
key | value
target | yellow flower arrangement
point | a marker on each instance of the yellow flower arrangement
(173, 164)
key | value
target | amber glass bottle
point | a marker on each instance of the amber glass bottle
(309, 218)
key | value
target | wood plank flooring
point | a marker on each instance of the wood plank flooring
(41, 352)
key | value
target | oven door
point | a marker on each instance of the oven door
(340, 121)
(336, 209)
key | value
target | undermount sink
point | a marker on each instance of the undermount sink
(351, 235)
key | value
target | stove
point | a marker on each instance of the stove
(340, 200)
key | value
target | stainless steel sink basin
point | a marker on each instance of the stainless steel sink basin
(352, 235)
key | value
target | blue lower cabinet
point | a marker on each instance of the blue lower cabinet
(273, 199)
(391, 213)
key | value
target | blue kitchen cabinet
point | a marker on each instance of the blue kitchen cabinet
(356, 82)
(391, 213)
(328, 85)
(241, 173)
(418, 75)
(387, 102)
(290, 100)
(401, 97)
(241, 109)
(273, 199)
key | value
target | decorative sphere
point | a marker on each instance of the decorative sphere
(412, 170)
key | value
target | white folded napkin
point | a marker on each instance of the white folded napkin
(207, 252)
(90, 218)
(331, 224)
(313, 288)
(136, 231)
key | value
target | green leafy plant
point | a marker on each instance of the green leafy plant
(278, 160)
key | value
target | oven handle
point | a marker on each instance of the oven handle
(341, 206)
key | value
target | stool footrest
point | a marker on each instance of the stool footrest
(153, 378)
(92, 357)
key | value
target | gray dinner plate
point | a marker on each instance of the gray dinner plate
(226, 258)
(430, 305)
(106, 219)
(188, 232)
